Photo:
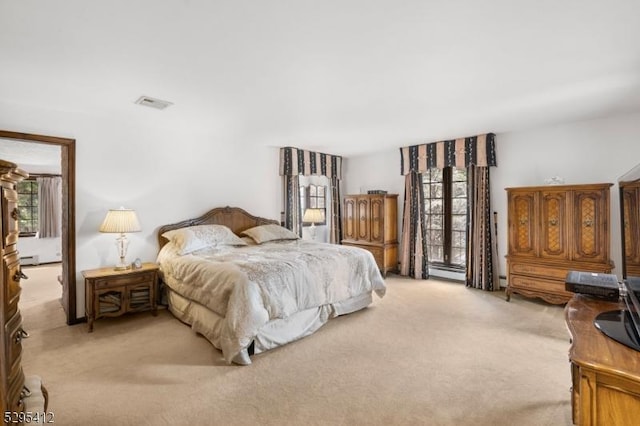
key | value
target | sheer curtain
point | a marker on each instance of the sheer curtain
(476, 154)
(49, 206)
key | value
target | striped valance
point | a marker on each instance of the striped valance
(294, 161)
(479, 150)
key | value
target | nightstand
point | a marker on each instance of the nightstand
(111, 293)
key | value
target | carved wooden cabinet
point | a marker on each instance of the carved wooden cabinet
(12, 391)
(630, 193)
(371, 222)
(553, 230)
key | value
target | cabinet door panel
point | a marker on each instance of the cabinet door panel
(631, 230)
(349, 219)
(522, 223)
(363, 219)
(377, 220)
(109, 302)
(553, 225)
(591, 226)
(140, 297)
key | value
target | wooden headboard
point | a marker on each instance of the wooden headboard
(235, 218)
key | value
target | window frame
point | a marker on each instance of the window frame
(447, 197)
(35, 218)
(306, 201)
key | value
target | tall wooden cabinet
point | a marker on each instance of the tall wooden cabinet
(11, 375)
(13, 393)
(630, 194)
(553, 230)
(371, 222)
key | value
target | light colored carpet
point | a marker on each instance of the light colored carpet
(429, 353)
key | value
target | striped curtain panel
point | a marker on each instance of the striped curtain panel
(296, 162)
(292, 209)
(476, 154)
(413, 252)
(49, 206)
(335, 233)
(482, 250)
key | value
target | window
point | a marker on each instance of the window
(313, 197)
(445, 199)
(28, 207)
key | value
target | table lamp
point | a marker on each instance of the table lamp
(313, 216)
(121, 221)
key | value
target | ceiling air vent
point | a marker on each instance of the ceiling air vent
(153, 102)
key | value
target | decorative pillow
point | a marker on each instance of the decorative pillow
(250, 241)
(263, 233)
(192, 238)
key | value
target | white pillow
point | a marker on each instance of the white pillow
(264, 233)
(192, 238)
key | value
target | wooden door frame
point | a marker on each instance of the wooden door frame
(68, 171)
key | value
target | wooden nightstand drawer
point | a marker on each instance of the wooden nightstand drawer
(130, 279)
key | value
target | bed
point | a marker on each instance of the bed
(248, 285)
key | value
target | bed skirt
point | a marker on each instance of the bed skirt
(274, 333)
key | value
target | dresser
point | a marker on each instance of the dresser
(12, 380)
(370, 221)
(553, 230)
(605, 374)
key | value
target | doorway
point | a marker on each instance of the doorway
(67, 166)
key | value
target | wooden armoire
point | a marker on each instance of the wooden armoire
(13, 393)
(552, 230)
(630, 194)
(370, 221)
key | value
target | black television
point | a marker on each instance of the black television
(623, 325)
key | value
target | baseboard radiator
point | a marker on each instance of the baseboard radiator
(30, 260)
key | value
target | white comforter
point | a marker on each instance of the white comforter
(252, 285)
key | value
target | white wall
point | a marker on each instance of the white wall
(379, 170)
(591, 151)
(48, 250)
(169, 170)
(595, 151)
(166, 170)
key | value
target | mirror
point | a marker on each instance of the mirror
(629, 185)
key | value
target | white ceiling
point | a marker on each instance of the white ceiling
(32, 157)
(345, 77)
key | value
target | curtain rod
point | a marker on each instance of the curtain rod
(43, 175)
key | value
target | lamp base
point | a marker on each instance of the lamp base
(122, 243)
(121, 267)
